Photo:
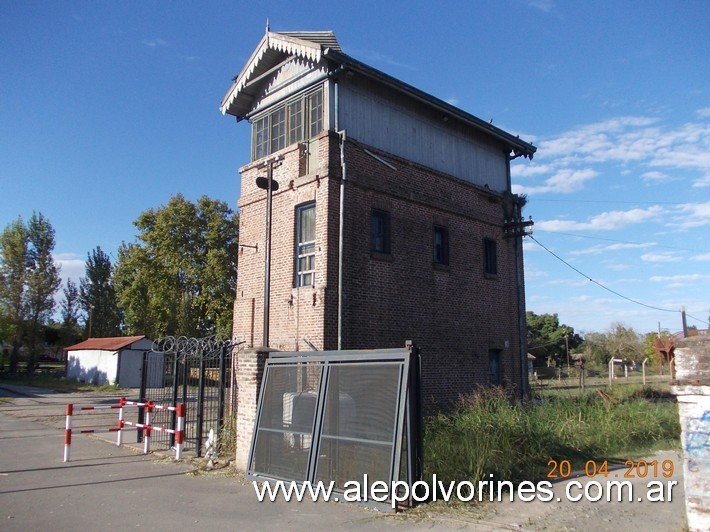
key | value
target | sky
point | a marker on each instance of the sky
(110, 108)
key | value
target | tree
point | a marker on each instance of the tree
(43, 281)
(98, 296)
(179, 277)
(71, 307)
(548, 340)
(649, 347)
(13, 262)
(618, 341)
(29, 278)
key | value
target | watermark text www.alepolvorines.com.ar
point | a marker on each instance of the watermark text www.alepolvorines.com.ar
(464, 491)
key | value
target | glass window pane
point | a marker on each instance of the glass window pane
(305, 245)
(380, 231)
(441, 245)
(295, 121)
(307, 224)
(316, 113)
(489, 256)
(278, 129)
(261, 138)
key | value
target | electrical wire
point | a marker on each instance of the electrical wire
(623, 202)
(577, 235)
(598, 283)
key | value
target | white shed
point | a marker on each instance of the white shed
(116, 360)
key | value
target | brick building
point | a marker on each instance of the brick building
(393, 219)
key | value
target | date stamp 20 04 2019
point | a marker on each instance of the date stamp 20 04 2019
(562, 469)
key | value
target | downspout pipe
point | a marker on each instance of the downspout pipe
(341, 217)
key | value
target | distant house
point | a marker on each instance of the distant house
(117, 360)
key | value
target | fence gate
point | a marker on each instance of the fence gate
(195, 372)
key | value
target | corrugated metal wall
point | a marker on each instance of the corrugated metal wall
(374, 118)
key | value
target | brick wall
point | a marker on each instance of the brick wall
(456, 314)
(250, 370)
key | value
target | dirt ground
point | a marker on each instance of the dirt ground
(559, 513)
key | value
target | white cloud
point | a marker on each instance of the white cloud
(532, 169)
(692, 215)
(606, 221)
(543, 5)
(663, 257)
(564, 181)
(680, 278)
(153, 43)
(599, 249)
(656, 177)
(703, 257)
(617, 267)
(71, 266)
(639, 145)
(702, 182)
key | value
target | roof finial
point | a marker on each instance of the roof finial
(267, 26)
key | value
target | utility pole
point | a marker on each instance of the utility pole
(267, 183)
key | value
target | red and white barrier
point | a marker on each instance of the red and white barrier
(128, 425)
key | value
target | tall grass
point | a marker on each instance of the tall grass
(487, 434)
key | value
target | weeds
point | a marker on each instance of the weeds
(487, 434)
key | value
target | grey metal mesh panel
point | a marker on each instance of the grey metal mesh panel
(333, 416)
(359, 422)
(285, 426)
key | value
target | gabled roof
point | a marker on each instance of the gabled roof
(271, 52)
(276, 49)
(105, 344)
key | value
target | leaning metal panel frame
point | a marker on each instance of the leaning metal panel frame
(407, 408)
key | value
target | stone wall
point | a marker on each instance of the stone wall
(692, 389)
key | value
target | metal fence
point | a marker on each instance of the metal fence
(338, 416)
(193, 371)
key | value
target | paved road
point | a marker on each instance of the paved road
(106, 487)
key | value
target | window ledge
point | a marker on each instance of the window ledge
(493, 276)
(441, 267)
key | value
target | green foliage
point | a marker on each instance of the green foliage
(649, 350)
(29, 278)
(180, 277)
(618, 342)
(97, 297)
(487, 434)
(546, 338)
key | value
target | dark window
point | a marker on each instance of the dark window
(490, 260)
(297, 120)
(305, 244)
(441, 245)
(494, 367)
(380, 231)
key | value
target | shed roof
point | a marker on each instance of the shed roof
(276, 49)
(105, 344)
